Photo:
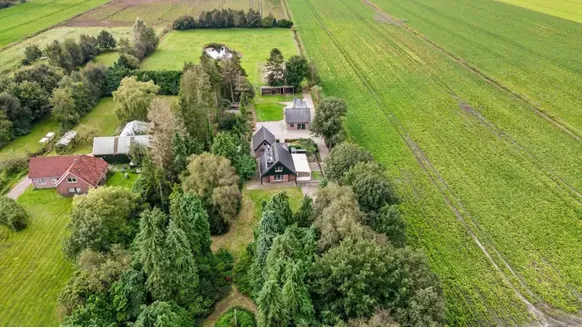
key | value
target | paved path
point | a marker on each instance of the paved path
(20, 188)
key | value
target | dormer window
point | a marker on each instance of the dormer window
(279, 169)
(72, 180)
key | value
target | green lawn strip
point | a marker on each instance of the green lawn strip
(241, 230)
(103, 119)
(118, 179)
(25, 19)
(32, 265)
(254, 45)
(107, 59)
(269, 108)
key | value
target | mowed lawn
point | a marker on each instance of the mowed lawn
(241, 230)
(179, 47)
(567, 9)
(103, 119)
(11, 57)
(29, 143)
(26, 19)
(269, 108)
(32, 265)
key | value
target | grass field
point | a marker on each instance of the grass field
(23, 20)
(567, 9)
(268, 108)
(103, 119)
(241, 231)
(161, 12)
(32, 265)
(179, 47)
(118, 179)
(107, 59)
(30, 142)
(11, 57)
(491, 186)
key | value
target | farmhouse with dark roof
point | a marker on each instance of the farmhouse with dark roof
(262, 139)
(276, 165)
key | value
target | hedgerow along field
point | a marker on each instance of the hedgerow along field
(23, 20)
(254, 45)
(567, 9)
(490, 188)
(11, 57)
(162, 12)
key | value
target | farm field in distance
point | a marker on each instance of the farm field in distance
(179, 47)
(488, 167)
(162, 12)
(567, 9)
(26, 19)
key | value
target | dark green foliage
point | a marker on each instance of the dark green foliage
(328, 121)
(127, 296)
(6, 134)
(304, 216)
(46, 76)
(197, 104)
(101, 219)
(33, 98)
(19, 117)
(296, 70)
(342, 158)
(183, 146)
(389, 221)
(273, 311)
(359, 277)
(32, 53)
(152, 185)
(145, 40)
(12, 215)
(284, 23)
(128, 60)
(370, 185)
(184, 23)
(89, 47)
(96, 75)
(167, 80)
(69, 55)
(113, 78)
(95, 312)
(242, 271)
(234, 148)
(275, 68)
(106, 41)
(244, 318)
(137, 153)
(164, 314)
(229, 18)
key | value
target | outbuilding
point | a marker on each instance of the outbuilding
(298, 117)
(116, 149)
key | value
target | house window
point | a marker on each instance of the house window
(279, 177)
(291, 125)
(72, 180)
(40, 181)
(74, 190)
(279, 169)
(301, 126)
(54, 181)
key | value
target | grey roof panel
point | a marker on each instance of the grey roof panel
(280, 154)
(117, 145)
(263, 135)
(297, 115)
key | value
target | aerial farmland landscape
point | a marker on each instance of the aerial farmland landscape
(290, 163)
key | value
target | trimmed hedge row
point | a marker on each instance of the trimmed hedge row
(167, 80)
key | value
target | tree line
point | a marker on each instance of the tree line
(143, 255)
(230, 18)
(291, 72)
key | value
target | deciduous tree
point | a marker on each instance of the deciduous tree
(342, 158)
(196, 104)
(64, 110)
(163, 126)
(133, 99)
(328, 121)
(296, 70)
(106, 41)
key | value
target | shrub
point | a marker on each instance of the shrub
(32, 53)
(285, 23)
(167, 80)
(12, 215)
(244, 318)
(268, 21)
(184, 23)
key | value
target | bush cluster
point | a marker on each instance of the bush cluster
(244, 318)
(12, 215)
(229, 18)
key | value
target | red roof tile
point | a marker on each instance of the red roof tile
(88, 168)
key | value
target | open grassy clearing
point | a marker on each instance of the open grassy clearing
(269, 108)
(23, 20)
(161, 12)
(534, 55)
(241, 231)
(567, 9)
(11, 57)
(179, 47)
(103, 119)
(474, 165)
(29, 143)
(32, 265)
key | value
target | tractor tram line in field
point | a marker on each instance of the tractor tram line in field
(438, 181)
(539, 76)
(492, 127)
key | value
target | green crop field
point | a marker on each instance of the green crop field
(23, 20)
(179, 47)
(568, 9)
(487, 165)
(32, 265)
(11, 57)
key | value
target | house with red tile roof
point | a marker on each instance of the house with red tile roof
(70, 175)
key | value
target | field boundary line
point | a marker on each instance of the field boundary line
(171, 8)
(489, 79)
(296, 36)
